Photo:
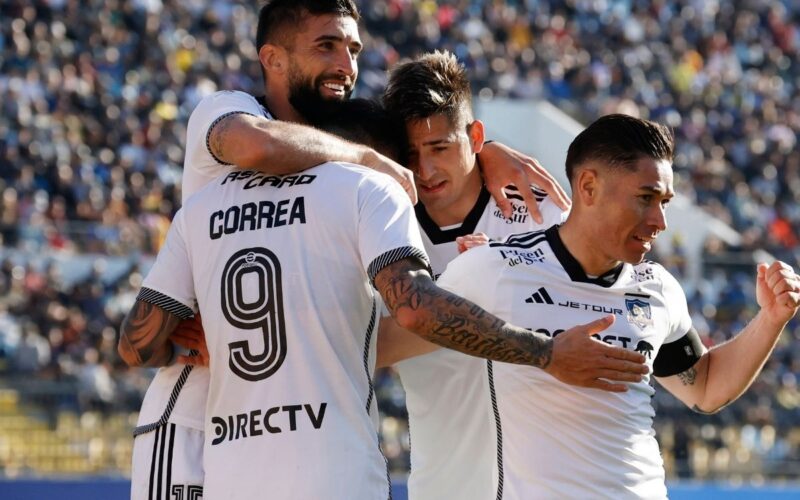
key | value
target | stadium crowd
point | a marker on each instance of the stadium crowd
(94, 98)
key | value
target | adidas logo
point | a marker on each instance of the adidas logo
(540, 296)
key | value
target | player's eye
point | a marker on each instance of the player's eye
(646, 198)
(665, 202)
(326, 46)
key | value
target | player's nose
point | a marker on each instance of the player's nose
(346, 63)
(424, 168)
(657, 218)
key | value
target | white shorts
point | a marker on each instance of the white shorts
(168, 464)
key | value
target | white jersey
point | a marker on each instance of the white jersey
(448, 394)
(177, 393)
(560, 441)
(281, 268)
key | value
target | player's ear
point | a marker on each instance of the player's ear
(586, 185)
(476, 133)
(274, 58)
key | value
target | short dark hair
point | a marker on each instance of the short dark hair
(367, 122)
(278, 17)
(620, 141)
(435, 83)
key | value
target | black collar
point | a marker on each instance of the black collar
(262, 100)
(438, 235)
(573, 267)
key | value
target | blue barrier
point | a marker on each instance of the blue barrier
(119, 489)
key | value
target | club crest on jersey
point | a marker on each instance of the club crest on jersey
(639, 313)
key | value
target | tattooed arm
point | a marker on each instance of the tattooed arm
(726, 371)
(256, 143)
(144, 335)
(448, 320)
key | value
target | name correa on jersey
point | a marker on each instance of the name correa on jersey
(254, 216)
(289, 316)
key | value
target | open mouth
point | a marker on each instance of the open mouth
(646, 241)
(337, 89)
(432, 188)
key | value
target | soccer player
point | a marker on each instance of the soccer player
(308, 51)
(449, 395)
(561, 441)
(283, 269)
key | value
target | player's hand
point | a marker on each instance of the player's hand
(190, 335)
(778, 291)
(503, 166)
(581, 360)
(376, 161)
(470, 241)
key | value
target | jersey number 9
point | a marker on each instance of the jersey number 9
(252, 299)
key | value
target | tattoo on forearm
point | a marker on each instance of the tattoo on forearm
(456, 323)
(688, 377)
(144, 334)
(219, 137)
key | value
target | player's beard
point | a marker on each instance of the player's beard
(305, 97)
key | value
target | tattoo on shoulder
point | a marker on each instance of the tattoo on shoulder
(689, 376)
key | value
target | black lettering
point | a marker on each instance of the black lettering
(288, 180)
(267, 425)
(624, 341)
(230, 177)
(271, 180)
(305, 179)
(298, 211)
(241, 423)
(230, 427)
(252, 182)
(557, 332)
(265, 210)
(280, 213)
(292, 409)
(220, 430)
(316, 421)
(608, 338)
(255, 430)
(216, 225)
(248, 215)
(231, 220)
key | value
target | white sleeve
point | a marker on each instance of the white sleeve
(209, 111)
(551, 213)
(169, 284)
(472, 275)
(387, 227)
(680, 321)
